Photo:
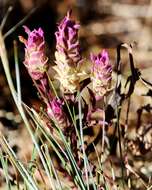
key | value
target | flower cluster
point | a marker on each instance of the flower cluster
(68, 70)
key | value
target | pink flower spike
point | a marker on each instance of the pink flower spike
(35, 61)
(68, 58)
(101, 73)
(66, 36)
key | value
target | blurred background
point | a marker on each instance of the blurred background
(104, 24)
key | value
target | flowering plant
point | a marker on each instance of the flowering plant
(73, 80)
(76, 115)
(68, 70)
(75, 133)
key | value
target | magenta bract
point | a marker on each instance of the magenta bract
(55, 112)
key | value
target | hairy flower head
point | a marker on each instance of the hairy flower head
(35, 58)
(101, 73)
(67, 55)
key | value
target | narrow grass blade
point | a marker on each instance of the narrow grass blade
(5, 169)
(27, 178)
